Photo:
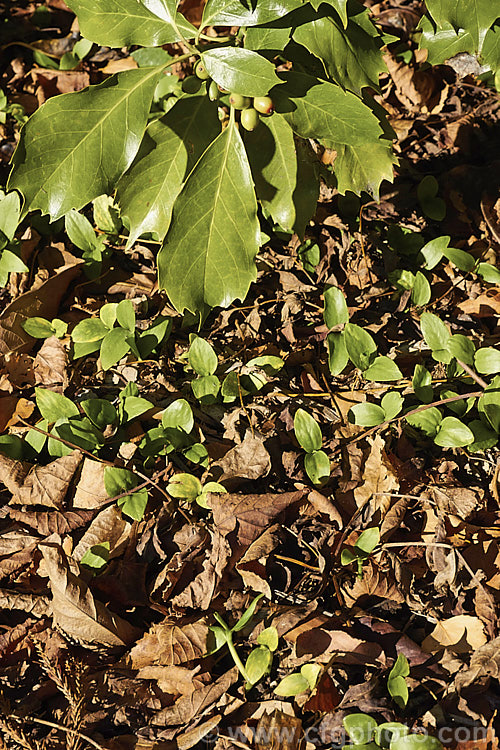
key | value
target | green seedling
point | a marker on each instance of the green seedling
(94, 248)
(260, 659)
(299, 682)
(10, 248)
(363, 548)
(188, 487)
(365, 734)
(396, 683)
(308, 434)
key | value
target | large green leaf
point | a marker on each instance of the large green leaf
(147, 192)
(342, 122)
(443, 43)
(474, 16)
(120, 23)
(76, 146)
(208, 254)
(286, 185)
(245, 12)
(240, 71)
(351, 56)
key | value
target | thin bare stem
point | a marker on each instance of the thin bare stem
(64, 729)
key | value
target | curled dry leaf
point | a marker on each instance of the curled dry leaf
(460, 634)
(13, 473)
(324, 505)
(377, 479)
(50, 365)
(485, 662)
(48, 485)
(189, 706)
(279, 724)
(248, 460)
(108, 526)
(374, 583)
(51, 522)
(252, 568)
(168, 644)
(32, 604)
(76, 612)
(192, 737)
(174, 680)
(90, 490)
(200, 592)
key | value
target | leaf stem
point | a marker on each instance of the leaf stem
(236, 658)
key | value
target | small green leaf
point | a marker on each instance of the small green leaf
(396, 683)
(317, 466)
(132, 407)
(489, 403)
(416, 742)
(202, 357)
(433, 251)
(432, 206)
(39, 328)
(421, 290)
(337, 352)
(292, 684)
(96, 556)
(484, 436)
(307, 431)
(392, 403)
(462, 348)
(247, 614)
(452, 433)
(117, 480)
(388, 731)
(367, 541)
(383, 370)
(487, 360)
(178, 414)
(311, 672)
(335, 312)
(462, 260)
(347, 557)
(421, 382)
(258, 663)
(240, 71)
(79, 230)
(101, 412)
(115, 345)
(269, 638)
(436, 336)
(107, 314)
(489, 273)
(184, 486)
(360, 346)
(53, 406)
(427, 420)
(134, 504)
(366, 415)
(88, 331)
(360, 728)
(125, 315)
(206, 388)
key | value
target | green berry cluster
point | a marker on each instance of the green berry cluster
(250, 108)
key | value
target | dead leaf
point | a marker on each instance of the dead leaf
(374, 583)
(249, 514)
(378, 478)
(248, 460)
(90, 490)
(53, 521)
(419, 90)
(460, 634)
(200, 592)
(485, 662)
(189, 706)
(192, 737)
(281, 730)
(32, 604)
(48, 485)
(485, 305)
(54, 82)
(108, 526)
(173, 679)
(168, 644)
(251, 566)
(50, 365)
(324, 505)
(13, 472)
(76, 612)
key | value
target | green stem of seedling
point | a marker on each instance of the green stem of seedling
(236, 658)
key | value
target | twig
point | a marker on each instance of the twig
(64, 729)
(473, 374)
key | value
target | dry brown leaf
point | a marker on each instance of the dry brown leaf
(55, 82)
(90, 491)
(374, 583)
(251, 566)
(168, 644)
(189, 706)
(51, 522)
(249, 514)
(419, 90)
(108, 526)
(394, 517)
(459, 501)
(324, 505)
(173, 679)
(192, 737)
(378, 478)
(42, 301)
(48, 485)
(50, 365)
(248, 460)
(460, 634)
(13, 472)
(200, 592)
(76, 612)
(485, 305)
(32, 604)
(485, 662)
(279, 730)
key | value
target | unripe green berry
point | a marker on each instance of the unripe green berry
(239, 102)
(264, 105)
(249, 118)
(200, 71)
(213, 92)
(191, 85)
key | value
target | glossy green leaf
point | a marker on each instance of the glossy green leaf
(487, 360)
(107, 314)
(335, 312)
(461, 259)
(146, 193)
(433, 251)
(337, 352)
(339, 5)
(436, 336)
(475, 16)
(117, 480)
(206, 388)
(287, 187)
(342, 122)
(359, 727)
(427, 420)
(396, 683)
(101, 412)
(184, 486)
(489, 273)
(234, 12)
(267, 38)
(388, 731)
(317, 466)
(269, 638)
(360, 346)
(489, 403)
(421, 382)
(202, 357)
(292, 684)
(77, 145)
(53, 406)
(258, 663)
(247, 614)
(452, 433)
(365, 544)
(89, 330)
(10, 213)
(241, 71)
(351, 55)
(178, 414)
(366, 415)
(39, 328)
(120, 23)
(134, 504)
(125, 315)
(311, 672)
(421, 290)
(392, 403)
(416, 742)
(114, 346)
(485, 437)
(208, 259)
(462, 348)
(79, 230)
(383, 370)
(307, 431)
(96, 556)
(443, 42)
